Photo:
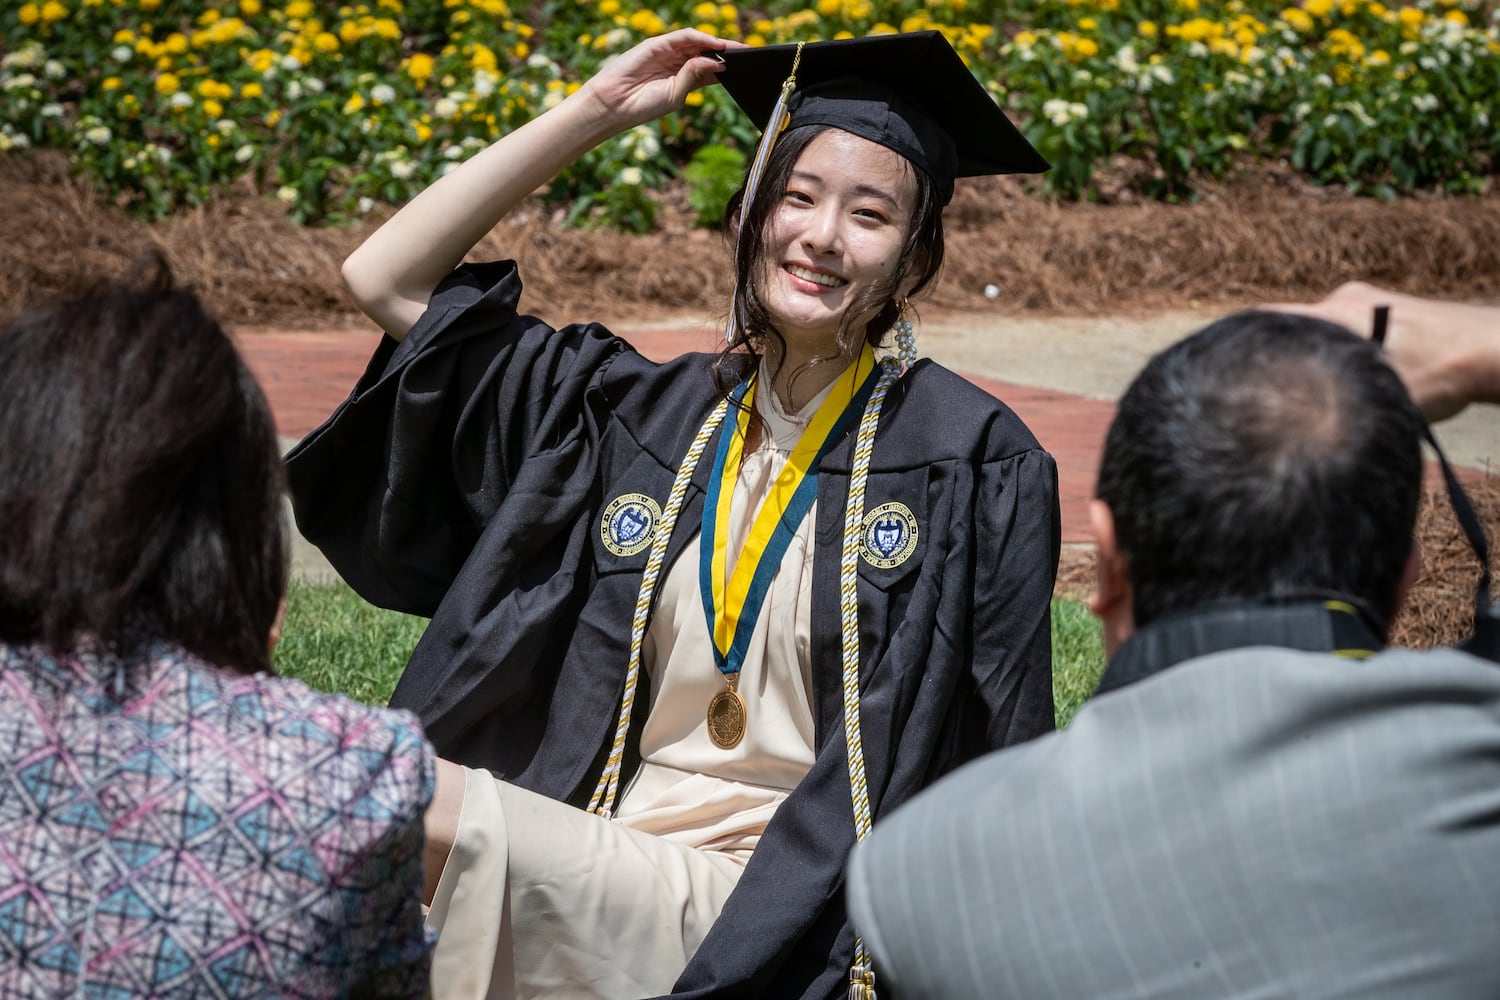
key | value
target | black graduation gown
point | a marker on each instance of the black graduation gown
(465, 478)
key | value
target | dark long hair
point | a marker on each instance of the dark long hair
(140, 481)
(922, 250)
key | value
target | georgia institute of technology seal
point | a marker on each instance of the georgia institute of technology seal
(888, 536)
(629, 523)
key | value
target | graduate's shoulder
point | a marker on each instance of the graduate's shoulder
(945, 414)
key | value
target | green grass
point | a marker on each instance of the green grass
(334, 641)
(1077, 656)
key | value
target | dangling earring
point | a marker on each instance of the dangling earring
(906, 335)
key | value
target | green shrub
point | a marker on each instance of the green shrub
(713, 177)
(335, 109)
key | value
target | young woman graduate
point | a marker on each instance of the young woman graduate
(693, 623)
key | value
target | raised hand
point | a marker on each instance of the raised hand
(656, 75)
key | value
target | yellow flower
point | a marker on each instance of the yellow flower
(706, 11)
(299, 9)
(917, 22)
(828, 8)
(325, 42)
(728, 12)
(124, 36)
(763, 27)
(1146, 29)
(1380, 57)
(1087, 24)
(419, 67)
(694, 99)
(647, 22)
(261, 60)
(167, 83)
(150, 4)
(1024, 39)
(1318, 8)
(273, 116)
(1411, 17)
(1456, 16)
(28, 13)
(840, 35)
(251, 90)
(1086, 48)
(249, 7)
(209, 16)
(213, 140)
(213, 108)
(424, 132)
(1298, 19)
(484, 58)
(1188, 5)
(521, 50)
(111, 83)
(53, 11)
(707, 28)
(608, 7)
(755, 40)
(355, 103)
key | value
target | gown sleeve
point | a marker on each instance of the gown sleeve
(477, 407)
(1017, 540)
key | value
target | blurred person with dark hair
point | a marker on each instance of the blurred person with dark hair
(1260, 800)
(173, 821)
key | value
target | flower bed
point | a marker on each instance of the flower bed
(335, 110)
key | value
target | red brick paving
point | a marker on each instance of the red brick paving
(306, 375)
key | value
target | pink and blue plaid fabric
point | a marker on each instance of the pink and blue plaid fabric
(170, 829)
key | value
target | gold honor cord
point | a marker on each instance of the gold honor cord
(861, 975)
(603, 800)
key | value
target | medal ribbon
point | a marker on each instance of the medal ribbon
(733, 602)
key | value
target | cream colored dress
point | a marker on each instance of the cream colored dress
(539, 899)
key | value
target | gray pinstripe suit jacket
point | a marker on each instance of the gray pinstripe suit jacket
(1256, 823)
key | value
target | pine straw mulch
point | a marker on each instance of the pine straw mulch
(1266, 236)
(1440, 609)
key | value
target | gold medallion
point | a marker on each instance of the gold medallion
(726, 719)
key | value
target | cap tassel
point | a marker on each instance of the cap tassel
(774, 126)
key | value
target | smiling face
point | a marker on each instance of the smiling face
(834, 241)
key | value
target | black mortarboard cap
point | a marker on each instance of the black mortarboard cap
(908, 92)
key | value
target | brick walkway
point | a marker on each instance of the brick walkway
(306, 375)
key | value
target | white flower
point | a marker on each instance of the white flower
(1197, 50)
(314, 85)
(162, 153)
(383, 93)
(630, 176)
(52, 110)
(616, 37)
(365, 204)
(244, 153)
(224, 126)
(130, 163)
(1322, 80)
(1329, 121)
(1358, 111)
(294, 90)
(18, 81)
(286, 193)
(551, 99)
(453, 153)
(180, 100)
(1253, 54)
(1425, 102)
(122, 53)
(1301, 111)
(447, 169)
(445, 107)
(1125, 61)
(1234, 78)
(539, 61)
(54, 70)
(291, 63)
(402, 169)
(1162, 74)
(484, 83)
(29, 54)
(98, 135)
(1060, 112)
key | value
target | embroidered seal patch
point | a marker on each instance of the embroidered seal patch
(629, 523)
(889, 535)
